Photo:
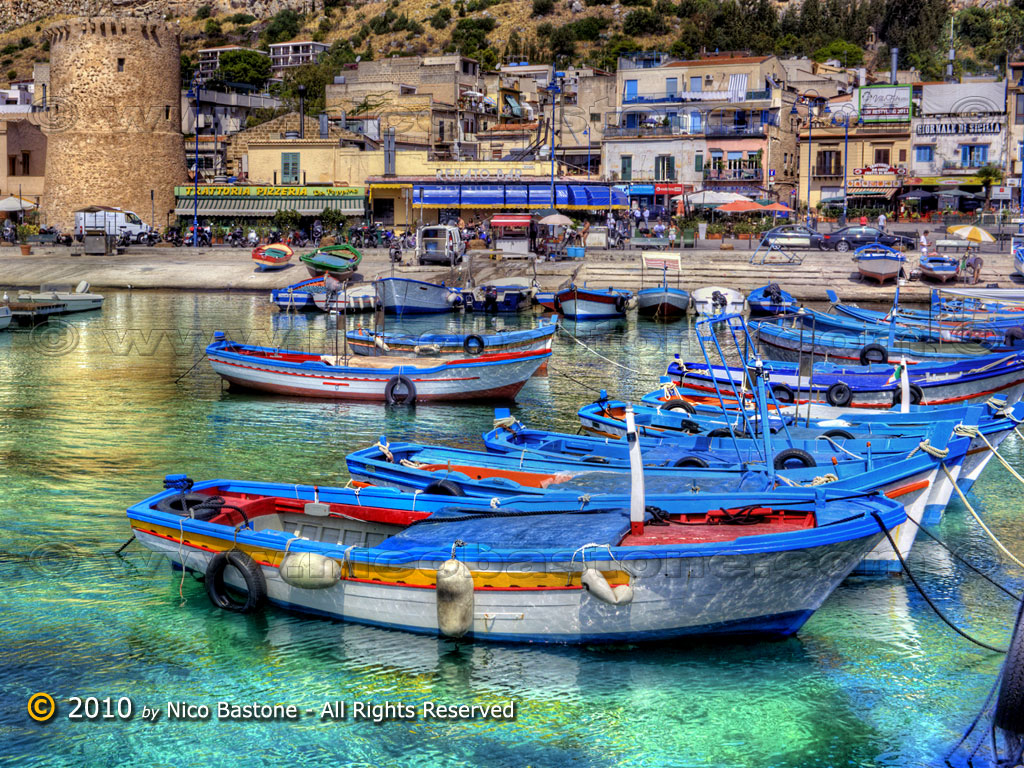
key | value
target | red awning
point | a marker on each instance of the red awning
(511, 220)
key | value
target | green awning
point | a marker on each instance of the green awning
(267, 206)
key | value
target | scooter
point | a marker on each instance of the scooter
(252, 239)
(395, 251)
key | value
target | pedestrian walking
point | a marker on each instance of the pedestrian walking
(647, 219)
(923, 244)
(881, 221)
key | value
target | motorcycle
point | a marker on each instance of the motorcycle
(174, 237)
(150, 238)
(62, 238)
(252, 239)
(201, 240)
(235, 238)
(298, 239)
(395, 251)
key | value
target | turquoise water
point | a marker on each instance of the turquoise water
(92, 417)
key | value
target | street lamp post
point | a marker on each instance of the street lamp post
(810, 141)
(553, 89)
(845, 122)
(193, 93)
(587, 132)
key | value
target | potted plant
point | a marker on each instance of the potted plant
(25, 231)
(715, 231)
(743, 230)
(217, 232)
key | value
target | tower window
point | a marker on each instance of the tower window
(120, 65)
(167, 113)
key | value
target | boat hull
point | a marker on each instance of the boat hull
(5, 318)
(73, 302)
(362, 341)
(583, 304)
(662, 302)
(400, 296)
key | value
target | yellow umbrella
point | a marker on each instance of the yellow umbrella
(971, 232)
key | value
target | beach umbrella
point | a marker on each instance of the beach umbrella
(971, 232)
(556, 220)
(740, 206)
(709, 197)
(777, 208)
(917, 194)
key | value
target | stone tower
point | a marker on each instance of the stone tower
(114, 117)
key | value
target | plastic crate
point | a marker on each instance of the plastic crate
(574, 252)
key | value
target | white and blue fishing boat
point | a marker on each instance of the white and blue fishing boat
(402, 296)
(298, 296)
(716, 302)
(393, 380)
(530, 570)
(940, 268)
(582, 303)
(5, 316)
(770, 300)
(663, 302)
(878, 262)
(364, 341)
(499, 297)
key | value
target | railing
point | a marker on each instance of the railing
(733, 174)
(748, 129)
(690, 97)
(826, 171)
(618, 132)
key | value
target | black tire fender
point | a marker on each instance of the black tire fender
(837, 434)
(873, 353)
(691, 461)
(793, 454)
(724, 432)
(444, 488)
(474, 344)
(255, 582)
(393, 384)
(839, 395)
(595, 460)
(784, 393)
(620, 303)
(916, 395)
(184, 506)
(681, 405)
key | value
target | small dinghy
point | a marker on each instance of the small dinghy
(339, 260)
(299, 296)
(940, 268)
(770, 300)
(392, 380)
(502, 296)
(663, 302)
(714, 301)
(271, 256)
(593, 303)
(77, 300)
(363, 341)
(878, 262)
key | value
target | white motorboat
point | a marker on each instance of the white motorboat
(77, 300)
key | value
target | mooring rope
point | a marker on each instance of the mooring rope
(966, 431)
(974, 514)
(595, 352)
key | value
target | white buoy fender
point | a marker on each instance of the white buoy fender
(454, 598)
(309, 570)
(596, 584)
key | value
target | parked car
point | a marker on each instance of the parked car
(793, 236)
(849, 238)
(439, 244)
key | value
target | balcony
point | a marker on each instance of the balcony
(746, 129)
(827, 171)
(641, 132)
(958, 169)
(733, 174)
(691, 97)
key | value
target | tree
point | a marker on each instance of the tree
(847, 54)
(643, 21)
(543, 7)
(562, 42)
(282, 27)
(213, 28)
(246, 67)
(286, 220)
(988, 175)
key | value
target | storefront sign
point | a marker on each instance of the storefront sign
(884, 103)
(951, 181)
(879, 168)
(873, 183)
(479, 174)
(668, 189)
(228, 190)
(641, 189)
(958, 129)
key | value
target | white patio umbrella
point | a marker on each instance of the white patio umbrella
(556, 220)
(15, 203)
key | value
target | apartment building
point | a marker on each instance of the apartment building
(284, 56)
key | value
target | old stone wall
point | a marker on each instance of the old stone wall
(114, 120)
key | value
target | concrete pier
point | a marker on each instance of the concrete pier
(231, 269)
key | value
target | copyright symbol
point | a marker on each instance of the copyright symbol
(56, 116)
(57, 560)
(41, 707)
(55, 338)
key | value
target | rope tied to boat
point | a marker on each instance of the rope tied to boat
(831, 440)
(385, 449)
(583, 500)
(346, 563)
(966, 431)
(829, 477)
(927, 447)
(671, 391)
(985, 528)
(996, 402)
(411, 464)
(598, 354)
(582, 552)
(495, 502)
(427, 349)
(506, 423)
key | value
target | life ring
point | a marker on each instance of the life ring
(783, 457)
(839, 395)
(691, 461)
(784, 393)
(873, 353)
(1009, 713)
(474, 344)
(837, 434)
(681, 405)
(916, 395)
(620, 304)
(444, 488)
(255, 582)
(408, 398)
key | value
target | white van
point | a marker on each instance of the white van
(112, 220)
(439, 244)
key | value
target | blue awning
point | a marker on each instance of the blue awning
(436, 196)
(578, 197)
(489, 196)
(516, 196)
(619, 198)
(540, 196)
(561, 196)
(597, 196)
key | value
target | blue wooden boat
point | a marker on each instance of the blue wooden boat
(532, 570)
(940, 268)
(402, 296)
(663, 302)
(298, 296)
(582, 303)
(497, 299)
(770, 300)
(878, 262)
(364, 341)
(926, 325)
(914, 479)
